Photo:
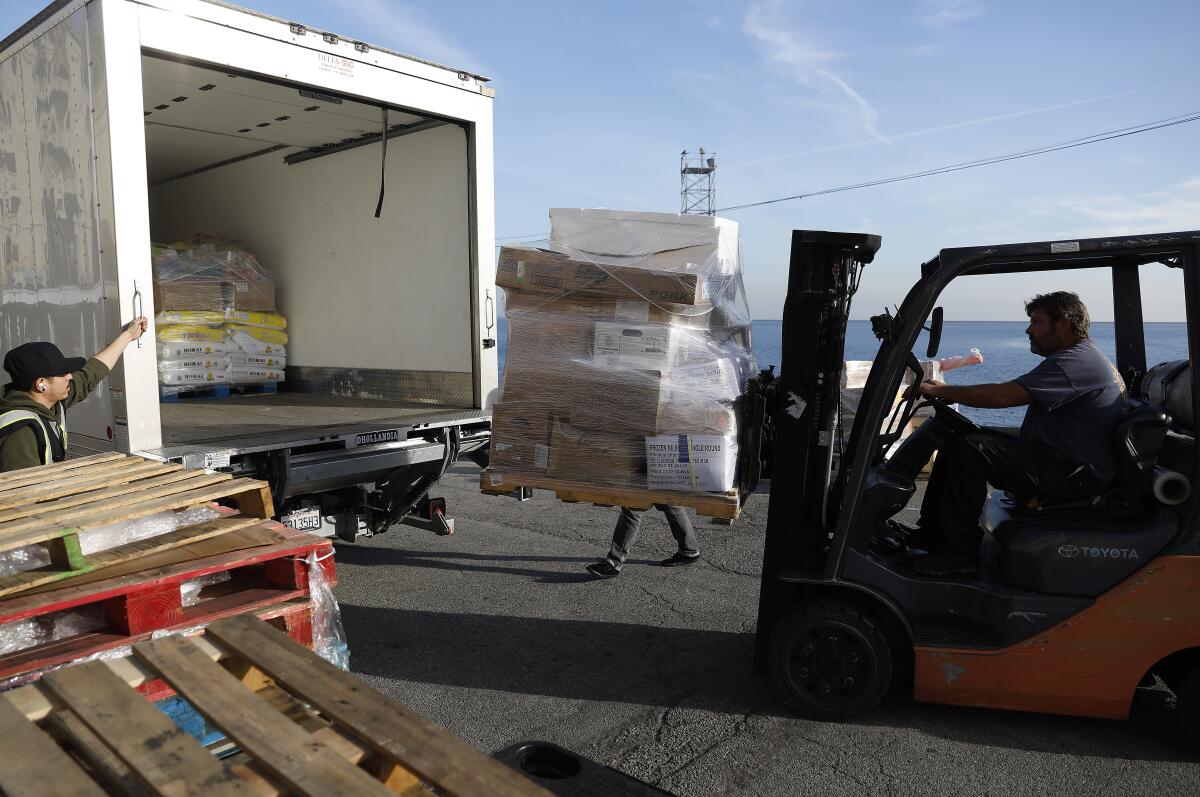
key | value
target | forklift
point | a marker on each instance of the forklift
(1077, 603)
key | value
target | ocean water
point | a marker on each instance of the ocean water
(1004, 346)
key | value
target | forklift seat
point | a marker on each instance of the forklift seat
(1070, 554)
(1139, 440)
(1084, 547)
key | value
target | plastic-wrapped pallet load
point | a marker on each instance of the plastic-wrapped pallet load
(216, 323)
(211, 274)
(628, 349)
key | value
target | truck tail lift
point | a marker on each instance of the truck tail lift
(1047, 626)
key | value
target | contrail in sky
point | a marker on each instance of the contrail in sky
(929, 130)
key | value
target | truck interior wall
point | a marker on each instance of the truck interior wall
(377, 307)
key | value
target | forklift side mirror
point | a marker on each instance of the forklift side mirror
(935, 333)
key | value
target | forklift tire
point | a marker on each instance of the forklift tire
(831, 659)
(1187, 708)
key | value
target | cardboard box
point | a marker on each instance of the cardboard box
(654, 347)
(543, 353)
(654, 240)
(520, 438)
(696, 417)
(542, 271)
(584, 456)
(214, 295)
(610, 400)
(644, 402)
(519, 304)
(691, 463)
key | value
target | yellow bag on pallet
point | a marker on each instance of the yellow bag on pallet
(275, 336)
(210, 318)
(184, 332)
(249, 318)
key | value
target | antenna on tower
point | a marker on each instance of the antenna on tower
(698, 183)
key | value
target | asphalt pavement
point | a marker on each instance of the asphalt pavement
(499, 634)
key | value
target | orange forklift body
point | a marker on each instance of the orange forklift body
(1087, 666)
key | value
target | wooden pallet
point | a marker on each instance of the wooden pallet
(266, 567)
(50, 506)
(218, 392)
(85, 730)
(723, 506)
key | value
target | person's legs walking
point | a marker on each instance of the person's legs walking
(624, 536)
(629, 523)
(684, 534)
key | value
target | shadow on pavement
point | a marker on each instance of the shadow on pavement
(700, 669)
(465, 562)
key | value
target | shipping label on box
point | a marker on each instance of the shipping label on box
(717, 380)
(691, 463)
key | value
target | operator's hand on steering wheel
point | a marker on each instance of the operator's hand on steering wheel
(930, 388)
(924, 388)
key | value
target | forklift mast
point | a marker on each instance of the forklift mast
(823, 276)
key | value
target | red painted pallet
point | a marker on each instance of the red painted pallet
(267, 573)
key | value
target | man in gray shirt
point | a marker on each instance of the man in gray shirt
(1065, 449)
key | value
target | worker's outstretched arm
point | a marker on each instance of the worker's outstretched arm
(85, 380)
(1005, 394)
(113, 351)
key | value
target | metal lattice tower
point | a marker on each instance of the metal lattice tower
(698, 183)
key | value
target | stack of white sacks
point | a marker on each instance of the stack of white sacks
(207, 348)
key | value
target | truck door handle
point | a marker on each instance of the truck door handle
(137, 307)
(489, 318)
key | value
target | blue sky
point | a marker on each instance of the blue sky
(594, 102)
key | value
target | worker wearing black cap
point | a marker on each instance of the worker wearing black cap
(33, 419)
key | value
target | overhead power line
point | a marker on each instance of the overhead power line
(530, 235)
(1095, 138)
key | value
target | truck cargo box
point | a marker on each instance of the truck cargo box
(360, 176)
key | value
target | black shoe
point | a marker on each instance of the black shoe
(603, 569)
(901, 530)
(679, 558)
(944, 563)
(905, 539)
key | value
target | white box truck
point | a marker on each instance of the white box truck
(127, 121)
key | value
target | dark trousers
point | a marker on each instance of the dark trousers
(630, 522)
(959, 483)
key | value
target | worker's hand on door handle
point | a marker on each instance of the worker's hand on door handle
(135, 328)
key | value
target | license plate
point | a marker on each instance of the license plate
(303, 520)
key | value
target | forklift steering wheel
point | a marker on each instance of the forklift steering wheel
(952, 418)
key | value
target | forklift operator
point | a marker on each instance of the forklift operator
(1065, 448)
(33, 419)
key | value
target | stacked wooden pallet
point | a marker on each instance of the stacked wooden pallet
(132, 591)
(720, 506)
(301, 726)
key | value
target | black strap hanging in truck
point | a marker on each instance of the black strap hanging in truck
(383, 165)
